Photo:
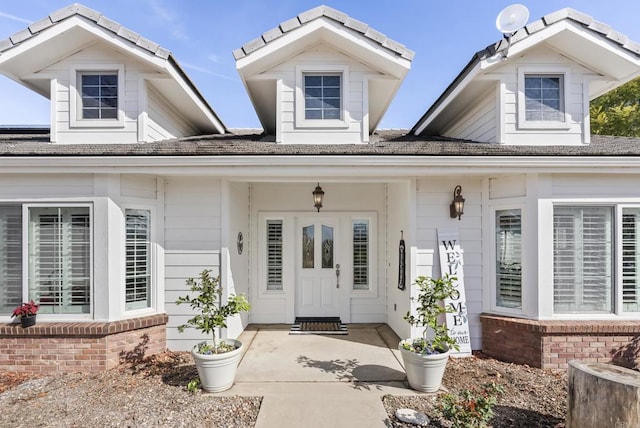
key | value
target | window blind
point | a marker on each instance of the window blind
(10, 258)
(631, 259)
(509, 258)
(60, 259)
(582, 259)
(138, 259)
(360, 255)
(274, 255)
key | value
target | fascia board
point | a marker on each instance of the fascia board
(348, 166)
(285, 47)
(78, 21)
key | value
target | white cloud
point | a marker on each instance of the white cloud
(15, 18)
(168, 19)
(214, 58)
(204, 70)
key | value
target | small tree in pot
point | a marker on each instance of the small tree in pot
(217, 360)
(425, 358)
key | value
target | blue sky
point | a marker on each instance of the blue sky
(201, 34)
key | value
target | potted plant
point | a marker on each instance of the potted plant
(26, 312)
(425, 358)
(216, 360)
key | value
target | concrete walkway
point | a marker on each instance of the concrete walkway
(321, 380)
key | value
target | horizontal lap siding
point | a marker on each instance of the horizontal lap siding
(162, 122)
(433, 199)
(478, 123)
(24, 187)
(596, 186)
(192, 243)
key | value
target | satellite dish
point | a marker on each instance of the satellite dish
(512, 18)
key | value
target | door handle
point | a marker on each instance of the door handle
(337, 276)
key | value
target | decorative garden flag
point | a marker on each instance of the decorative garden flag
(451, 262)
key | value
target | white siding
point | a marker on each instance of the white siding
(478, 122)
(45, 186)
(192, 243)
(591, 186)
(507, 186)
(433, 198)
(139, 186)
(163, 122)
(321, 56)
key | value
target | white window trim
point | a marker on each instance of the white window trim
(547, 293)
(75, 101)
(563, 72)
(25, 257)
(300, 121)
(372, 292)
(492, 261)
(153, 270)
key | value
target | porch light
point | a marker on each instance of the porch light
(318, 194)
(456, 209)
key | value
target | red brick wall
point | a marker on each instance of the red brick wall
(551, 344)
(70, 347)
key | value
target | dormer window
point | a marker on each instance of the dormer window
(99, 94)
(542, 95)
(322, 96)
(96, 95)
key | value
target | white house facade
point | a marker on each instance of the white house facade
(138, 185)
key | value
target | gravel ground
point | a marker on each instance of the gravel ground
(149, 394)
(532, 397)
(152, 393)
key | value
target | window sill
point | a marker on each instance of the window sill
(320, 123)
(560, 126)
(103, 123)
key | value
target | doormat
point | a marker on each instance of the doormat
(328, 325)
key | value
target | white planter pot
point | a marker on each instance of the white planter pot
(424, 372)
(217, 371)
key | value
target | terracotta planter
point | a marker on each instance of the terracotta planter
(424, 372)
(28, 321)
(217, 371)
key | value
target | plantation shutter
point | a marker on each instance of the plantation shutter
(10, 258)
(631, 259)
(582, 259)
(138, 259)
(59, 245)
(274, 255)
(360, 255)
(509, 258)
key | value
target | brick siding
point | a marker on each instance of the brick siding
(551, 344)
(80, 346)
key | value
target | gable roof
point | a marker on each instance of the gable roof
(388, 60)
(330, 13)
(202, 112)
(525, 36)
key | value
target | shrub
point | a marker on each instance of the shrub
(470, 408)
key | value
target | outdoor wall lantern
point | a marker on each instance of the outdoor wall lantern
(318, 194)
(456, 208)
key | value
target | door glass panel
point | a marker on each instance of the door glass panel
(327, 247)
(307, 246)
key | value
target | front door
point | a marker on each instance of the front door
(317, 268)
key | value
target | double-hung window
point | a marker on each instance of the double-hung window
(99, 94)
(322, 96)
(138, 259)
(542, 97)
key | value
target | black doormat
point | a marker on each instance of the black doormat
(315, 325)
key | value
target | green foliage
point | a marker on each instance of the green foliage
(212, 313)
(432, 292)
(193, 386)
(470, 408)
(617, 112)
